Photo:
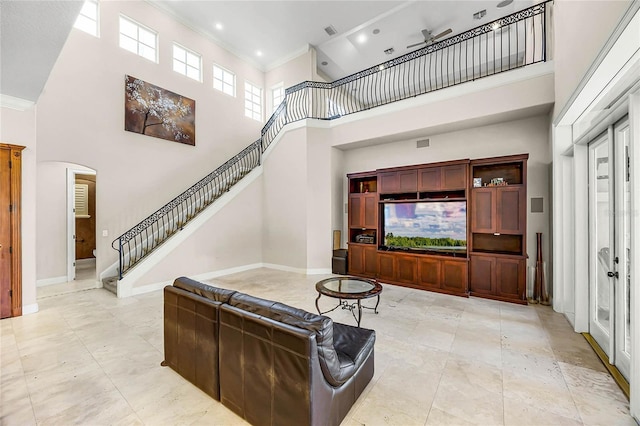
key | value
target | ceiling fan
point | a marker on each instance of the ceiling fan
(429, 37)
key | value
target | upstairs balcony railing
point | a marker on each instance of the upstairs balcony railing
(511, 42)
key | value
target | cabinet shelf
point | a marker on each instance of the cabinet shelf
(363, 184)
(510, 172)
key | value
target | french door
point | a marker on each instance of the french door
(609, 244)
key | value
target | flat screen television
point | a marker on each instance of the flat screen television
(438, 227)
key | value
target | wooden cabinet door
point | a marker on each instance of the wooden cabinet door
(388, 182)
(482, 275)
(356, 209)
(407, 269)
(483, 210)
(429, 179)
(369, 211)
(386, 266)
(454, 276)
(408, 181)
(429, 273)
(356, 259)
(370, 255)
(454, 177)
(402, 181)
(510, 278)
(511, 210)
(5, 234)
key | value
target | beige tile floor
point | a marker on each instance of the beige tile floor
(89, 358)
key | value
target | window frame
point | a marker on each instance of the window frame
(96, 32)
(137, 40)
(251, 113)
(280, 87)
(185, 63)
(223, 81)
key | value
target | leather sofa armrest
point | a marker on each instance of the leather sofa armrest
(353, 345)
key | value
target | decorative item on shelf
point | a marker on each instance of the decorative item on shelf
(365, 239)
(477, 182)
(366, 188)
(498, 182)
(361, 187)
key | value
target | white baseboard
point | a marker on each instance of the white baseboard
(51, 281)
(85, 262)
(30, 309)
(571, 317)
(319, 271)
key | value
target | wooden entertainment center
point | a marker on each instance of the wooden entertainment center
(493, 192)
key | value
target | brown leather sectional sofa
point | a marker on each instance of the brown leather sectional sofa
(270, 363)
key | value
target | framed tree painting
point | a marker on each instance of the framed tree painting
(153, 111)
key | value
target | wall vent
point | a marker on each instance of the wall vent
(422, 143)
(330, 30)
(537, 205)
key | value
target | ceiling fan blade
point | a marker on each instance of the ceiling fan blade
(442, 34)
(417, 44)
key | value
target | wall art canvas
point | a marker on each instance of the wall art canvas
(154, 111)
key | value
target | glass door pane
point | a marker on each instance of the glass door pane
(601, 241)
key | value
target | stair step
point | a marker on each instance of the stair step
(111, 284)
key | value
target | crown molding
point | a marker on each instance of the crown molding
(12, 102)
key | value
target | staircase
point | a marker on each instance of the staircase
(511, 42)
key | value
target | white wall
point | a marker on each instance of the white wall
(514, 137)
(19, 128)
(51, 223)
(285, 202)
(81, 120)
(581, 28)
(232, 238)
(339, 191)
(319, 201)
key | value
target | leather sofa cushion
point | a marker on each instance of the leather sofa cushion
(208, 291)
(338, 362)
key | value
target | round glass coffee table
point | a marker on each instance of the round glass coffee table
(348, 289)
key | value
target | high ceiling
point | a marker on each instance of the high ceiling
(33, 32)
(364, 28)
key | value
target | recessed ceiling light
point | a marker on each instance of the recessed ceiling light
(504, 3)
(325, 63)
(258, 52)
(376, 31)
(361, 38)
(219, 26)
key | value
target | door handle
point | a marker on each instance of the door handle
(613, 274)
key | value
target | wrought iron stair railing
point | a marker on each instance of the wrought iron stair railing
(511, 42)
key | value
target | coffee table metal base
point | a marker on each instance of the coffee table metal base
(353, 306)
